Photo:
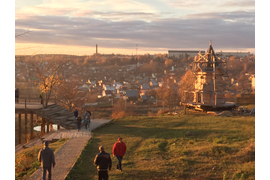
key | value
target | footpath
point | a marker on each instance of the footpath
(68, 154)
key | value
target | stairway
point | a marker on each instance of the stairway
(58, 115)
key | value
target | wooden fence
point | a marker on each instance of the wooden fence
(242, 99)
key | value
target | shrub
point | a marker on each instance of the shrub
(121, 114)
(160, 112)
(151, 114)
(103, 115)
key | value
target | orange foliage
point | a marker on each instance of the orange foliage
(119, 114)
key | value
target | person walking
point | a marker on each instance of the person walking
(41, 96)
(46, 156)
(79, 121)
(89, 118)
(86, 118)
(85, 123)
(76, 114)
(103, 162)
(119, 150)
(16, 95)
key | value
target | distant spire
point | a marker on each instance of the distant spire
(210, 43)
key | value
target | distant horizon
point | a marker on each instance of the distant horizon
(126, 51)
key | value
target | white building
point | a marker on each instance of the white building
(183, 54)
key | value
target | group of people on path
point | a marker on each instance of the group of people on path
(78, 119)
(102, 160)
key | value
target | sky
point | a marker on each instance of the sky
(76, 26)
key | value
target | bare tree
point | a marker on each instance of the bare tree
(168, 93)
(69, 94)
(23, 33)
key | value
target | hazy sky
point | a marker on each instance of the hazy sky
(76, 26)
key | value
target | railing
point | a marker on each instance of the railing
(34, 99)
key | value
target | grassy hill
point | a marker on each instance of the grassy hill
(175, 147)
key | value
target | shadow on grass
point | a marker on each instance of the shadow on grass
(158, 132)
(148, 174)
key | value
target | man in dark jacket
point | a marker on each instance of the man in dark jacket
(89, 118)
(119, 150)
(76, 114)
(17, 95)
(79, 120)
(103, 162)
(46, 155)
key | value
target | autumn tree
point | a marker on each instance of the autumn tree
(69, 95)
(122, 109)
(168, 62)
(186, 85)
(49, 75)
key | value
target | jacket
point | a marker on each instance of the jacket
(79, 120)
(119, 149)
(46, 155)
(87, 116)
(76, 113)
(16, 93)
(103, 161)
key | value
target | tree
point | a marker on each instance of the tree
(168, 62)
(168, 94)
(69, 94)
(49, 75)
(187, 85)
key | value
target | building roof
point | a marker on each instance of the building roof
(132, 93)
(108, 92)
(145, 86)
(144, 97)
(154, 83)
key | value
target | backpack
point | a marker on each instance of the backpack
(79, 120)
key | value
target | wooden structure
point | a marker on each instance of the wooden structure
(52, 114)
(210, 89)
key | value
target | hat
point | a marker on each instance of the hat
(119, 138)
(46, 143)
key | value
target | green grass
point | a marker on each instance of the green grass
(175, 147)
(26, 162)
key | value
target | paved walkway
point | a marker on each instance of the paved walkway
(67, 155)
